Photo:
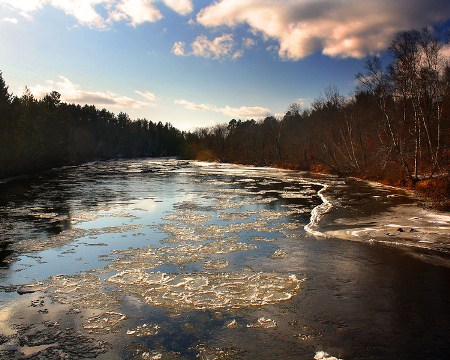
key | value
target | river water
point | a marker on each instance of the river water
(169, 259)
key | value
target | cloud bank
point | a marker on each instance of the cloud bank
(86, 12)
(243, 112)
(295, 28)
(72, 93)
(337, 28)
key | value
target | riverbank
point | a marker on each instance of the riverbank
(432, 193)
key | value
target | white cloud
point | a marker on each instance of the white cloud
(87, 12)
(178, 48)
(72, 93)
(350, 28)
(248, 43)
(83, 10)
(300, 101)
(24, 5)
(182, 7)
(221, 47)
(195, 107)
(136, 12)
(218, 47)
(243, 112)
(147, 95)
(9, 20)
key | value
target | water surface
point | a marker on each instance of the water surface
(161, 258)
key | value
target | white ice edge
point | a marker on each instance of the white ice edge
(318, 212)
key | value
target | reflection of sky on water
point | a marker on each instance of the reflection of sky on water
(101, 197)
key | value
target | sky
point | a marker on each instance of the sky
(197, 63)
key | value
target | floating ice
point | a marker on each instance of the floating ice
(149, 257)
(66, 237)
(105, 323)
(233, 216)
(263, 323)
(268, 215)
(184, 234)
(144, 330)
(41, 244)
(322, 355)
(207, 291)
(262, 239)
(215, 264)
(189, 217)
(232, 324)
(48, 340)
(279, 254)
(82, 290)
(215, 353)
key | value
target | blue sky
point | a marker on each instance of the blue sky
(198, 63)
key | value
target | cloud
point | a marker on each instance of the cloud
(135, 12)
(9, 20)
(100, 14)
(221, 47)
(72, 93)
(24, 6)
(299, 101)
(83, 10)
(178, 48)
(337, 28)
(147, 95)
(218, 47)
(248, 43)
(243, 112)
(182, 7)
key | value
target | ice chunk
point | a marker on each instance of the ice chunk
(263, 323)
(144, 330)
(322, 355)
(207, 291)
(105, 323)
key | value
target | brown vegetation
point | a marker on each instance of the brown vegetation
(437, 190)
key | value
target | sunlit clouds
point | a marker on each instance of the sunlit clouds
(100, 14)
(135, 12)
(221, 47)
(337, 28)
(25, 6)
(72, 93)
(243, 112)
(182, 7)
(10, 20)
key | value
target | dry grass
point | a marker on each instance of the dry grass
(437, 190)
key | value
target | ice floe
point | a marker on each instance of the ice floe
(206, 290)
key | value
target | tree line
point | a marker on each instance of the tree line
(38, 134)
(396, 126)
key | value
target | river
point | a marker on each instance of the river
(170, 259)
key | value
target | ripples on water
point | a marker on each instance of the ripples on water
(173, 259)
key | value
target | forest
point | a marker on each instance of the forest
(39, 134)
(395, 128)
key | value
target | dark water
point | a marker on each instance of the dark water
(357, 301)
